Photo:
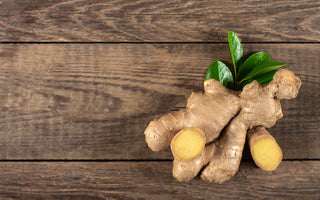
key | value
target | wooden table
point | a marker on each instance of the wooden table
(80, 80)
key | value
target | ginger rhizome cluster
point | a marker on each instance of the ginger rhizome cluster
(209, 135)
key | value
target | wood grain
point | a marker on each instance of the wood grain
(93, 101)
(159, 21)
(152, 180)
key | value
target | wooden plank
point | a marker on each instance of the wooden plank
(152, 180)
(93, 101)
(160, 21)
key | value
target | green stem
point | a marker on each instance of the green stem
(235, 79)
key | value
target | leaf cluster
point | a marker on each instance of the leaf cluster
(257, 67)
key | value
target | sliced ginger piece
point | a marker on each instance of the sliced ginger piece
(188, 144)
(264, 149)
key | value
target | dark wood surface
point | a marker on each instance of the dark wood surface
(84, 101)
(80, 81)
(161, 21)
(152, 180)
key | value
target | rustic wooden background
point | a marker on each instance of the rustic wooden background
(80, 80)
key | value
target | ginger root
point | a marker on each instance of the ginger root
(225, 161)
(185, 171)
(209, 112)
(264, 149)
(220, 110)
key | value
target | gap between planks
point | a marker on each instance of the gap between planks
(156, 42)
(132, 160)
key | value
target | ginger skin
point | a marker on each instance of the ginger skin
(226, 159)
(185, 171)
(209, 112)
(264, 149)
(260, 106)
(221, 109)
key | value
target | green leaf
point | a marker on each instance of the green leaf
(266, 77)
(236, 51)
(253, 61)
(263, 68)
(262, 79)
(219, 71)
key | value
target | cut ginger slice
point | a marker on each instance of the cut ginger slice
(188, 144)
(265, 151)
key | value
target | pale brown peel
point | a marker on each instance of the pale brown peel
(226, 160)
(260, 106)
(200, 112)
(212, 86)
(185, 171)
(285, 84)
(159, 133)
(211, 112)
